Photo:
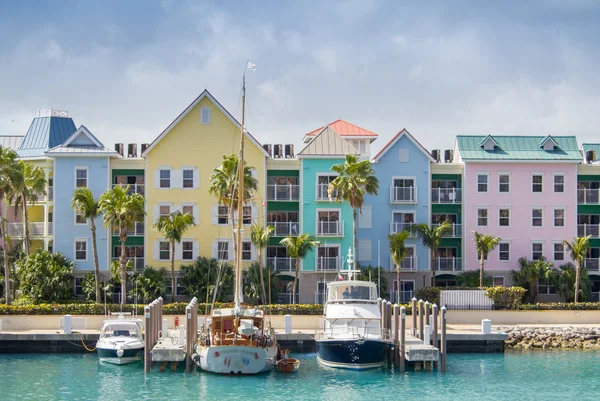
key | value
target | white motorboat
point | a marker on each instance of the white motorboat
(121, 341)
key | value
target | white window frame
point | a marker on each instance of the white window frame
(414, 256)
(502, 174)
(161, 241)
(499, 252)
(487, 209)
(322, 174)
(324, 245)
(403, 152)
(227, 215)
(183, 179)
(554, 243)
(554, 175)
(249, 219)
(338, 210)
(503, 281)
(203, 120)
(85, 241)
(161, 169)
(564, 218)
(187, 241)
(537, 243)
(509, 215)
(87, 176)
(487, 182)
(541, 217)
(75, 214)
(531, 183)
(244, 242)
(229, 249)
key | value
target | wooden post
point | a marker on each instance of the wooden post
(443, 346)
(426, 314)
(160, 315)
(152, 324)
(388, 315)
(434, 326)
(402, 338)
(414, 317)
(379, 301)
(188, 338)
(147, 358)
(421, 320)
(396, 335)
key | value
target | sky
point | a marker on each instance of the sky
(126, 69)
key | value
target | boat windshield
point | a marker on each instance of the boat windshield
(351, 292)
(120, 330)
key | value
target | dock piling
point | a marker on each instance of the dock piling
(443, 340)
(434, 329)
(396, 335)
(388, 316)
(414, 316)
(402, 338)
(147, 349)
(421, 319)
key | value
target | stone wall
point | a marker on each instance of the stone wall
(552, 337)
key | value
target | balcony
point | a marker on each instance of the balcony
(328, 263)
(399, 227)
(283, 229)
(456, 231)
(403, 194)
(282, 264)
(133, 188)
(287, 192)
(448, 264)
(323, 194)
(138, 262)
(446, 195)
(583, 230)
(50, 228)
(18, 229)
(330, 228)
(50, 193)
(405, 297)
(136, 231)
(408, 264)
(592, 264)
(588, 196)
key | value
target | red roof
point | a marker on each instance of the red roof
(344, 128)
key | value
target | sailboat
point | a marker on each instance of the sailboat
(238, 340)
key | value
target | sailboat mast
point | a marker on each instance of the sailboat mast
(240, 203)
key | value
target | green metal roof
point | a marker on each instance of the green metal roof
(591, 146)
(517, 148)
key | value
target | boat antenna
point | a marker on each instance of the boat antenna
(105, 312)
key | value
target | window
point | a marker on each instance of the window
(482, 182)
(328, 257)
(205, 115)
(165, 178)
(504, 183)
(328, 222)
(544, 288)
(187, 209)
(77, 287)
(164, 250)
(222, 250)
(179, 290)
(79, 218)
(536, 183)
(81, 177)
(403, 155)
(246, 250)
(504, 251)
(536, 217)
(164, 210)
(80, 250)
(559, 217)
(223, 215)
(188, 178)
(559, 251)
(498, 281)
(479, 256)
(537, 250)
(504, 217)
(247, 214)
(323, 182)
(482, 217)
(559, 183)
(187, 250)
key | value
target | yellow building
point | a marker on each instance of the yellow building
(179, 164)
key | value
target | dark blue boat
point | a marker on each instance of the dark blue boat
(352, 354)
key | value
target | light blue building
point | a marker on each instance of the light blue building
(403, 170)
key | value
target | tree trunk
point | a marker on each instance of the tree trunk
(96, 265)
(577, 271)
(262, 278)
(433, 250)
(397, 282)
(481, 271)
(354, 215)
(123, 262)
(295, 281)
(533, 290)
(26, 220)
(5, 251)
(173, 288)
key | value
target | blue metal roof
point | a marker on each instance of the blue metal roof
(45, 133)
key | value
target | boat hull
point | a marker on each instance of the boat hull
(110, 355)
(236, 359)
(352, 353)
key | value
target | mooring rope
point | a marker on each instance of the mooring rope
(82, 342)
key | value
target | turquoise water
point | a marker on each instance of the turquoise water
(552, 375)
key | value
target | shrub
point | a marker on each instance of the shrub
(150, 284)
(471, 279)
(200, 277)
(561, 306)
(46, 276)
(431, 294)
(506, 297)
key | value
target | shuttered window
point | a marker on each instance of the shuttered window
(364, 250)
(364, 217)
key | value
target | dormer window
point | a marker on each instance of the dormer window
(488, 143)
(548, 143)
(205, 115)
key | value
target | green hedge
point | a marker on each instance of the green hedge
(505, 297)
(561, 306)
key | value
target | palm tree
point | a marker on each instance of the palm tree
(578, 249)
(531, 272)
(260, 239)
(122, 210)
(355, 180)
(83, 201)
(431, 237)
(484, 244)
(298, 247)
(173, 227)
(566, 283)
(253, 280)
(399, 251)
(8, 167)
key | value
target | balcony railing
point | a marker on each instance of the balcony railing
(41, 198)
(50, 193)
(138, 262)
(285, 298)
(283, 229)
(327, 263)
(405, 297)
(583, 230)
(18, 229)
(456, 231)
(322, 192)
(285, 192)
(448, 264)
(282, 264)
(330, 228)
(592, 264)
(403, 194)
(396, 227)
(446, 195)
(50, 228)
(136, 230)
(408, 264)
(133, 188)
(588, 196)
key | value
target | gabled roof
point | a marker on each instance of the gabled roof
(546, 139)
(517, 148)
(343, 128)
(328, 143)
(11, 141)
(488, 138)
(204, 94)
(396, 138)
(83, 133)
(81, 141)
(45, 133)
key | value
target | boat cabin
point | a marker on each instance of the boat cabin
(351, 291)
(245, 328)
(120, 329)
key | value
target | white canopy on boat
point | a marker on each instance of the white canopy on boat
(352, 311)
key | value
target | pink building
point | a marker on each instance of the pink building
(521, 189)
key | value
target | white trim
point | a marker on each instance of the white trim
(564, 183)
(564, 209)
(487, 188)
(83, 129)
(75, 223)
(509, 216)
(520, 161)
(322, 174)
(508, 242)
(503, 173)
(532, 242)
(391, 144)
(87, 176)
(159, 240)
(503, 280)
(324, 244)
(564, 259)
(532, 208)
(87, 249)
(531, 183)
(477, 209)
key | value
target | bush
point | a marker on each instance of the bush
(431, 294)
(561, 306)
(471, 279)
(46, 276)
(506, 297)
(149, 285)
(200, 277)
